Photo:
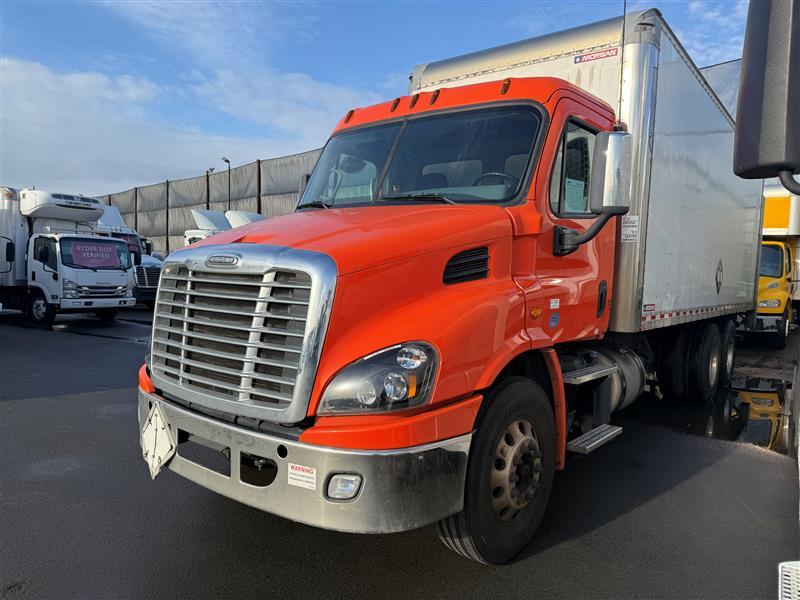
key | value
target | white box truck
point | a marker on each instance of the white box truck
(52, 261)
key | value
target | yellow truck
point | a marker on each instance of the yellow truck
(778, 292)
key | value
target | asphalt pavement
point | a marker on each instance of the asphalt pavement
(654, 514)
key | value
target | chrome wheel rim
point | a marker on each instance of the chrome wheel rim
(39, 308)
(517, 469)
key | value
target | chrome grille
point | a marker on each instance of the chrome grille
(230, 335)
(147, 277)
(101, 291)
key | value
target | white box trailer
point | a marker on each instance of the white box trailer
(688, 247)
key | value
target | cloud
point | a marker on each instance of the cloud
(94, 133)
(91, 133)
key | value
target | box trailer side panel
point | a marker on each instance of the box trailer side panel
(588, 57)
(703, 222)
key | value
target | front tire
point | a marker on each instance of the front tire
(778, 339)
(39, 310)
(705, 362)
(509, 476)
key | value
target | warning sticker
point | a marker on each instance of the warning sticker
(554, 303)
(629, 231)
(582, 58)
(302, 476)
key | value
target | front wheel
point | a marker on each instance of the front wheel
(778, 339)
(39, 310)
(509, 477)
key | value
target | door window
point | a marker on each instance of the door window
(44, 250)
(569, 185)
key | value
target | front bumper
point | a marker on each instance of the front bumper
(401, 489)
(767, 323)
(95, 303)
(144, 294)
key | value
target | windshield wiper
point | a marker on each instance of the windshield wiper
(420, 196)
(315, 204)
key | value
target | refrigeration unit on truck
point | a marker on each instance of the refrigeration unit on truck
(146, 266)
(212, 222)
(476, 277)
(52, 261)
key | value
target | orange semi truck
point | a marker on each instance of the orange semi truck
(476, 277)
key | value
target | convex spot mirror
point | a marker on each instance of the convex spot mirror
(610, 183)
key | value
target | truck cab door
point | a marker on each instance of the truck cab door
(43, 266)
(576, 288)
(7, 254)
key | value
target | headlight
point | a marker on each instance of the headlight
(774, 303)
(392, 379)
(70, 288)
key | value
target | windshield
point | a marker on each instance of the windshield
(478, 155)
(771, 260)
(95, 254)
(134, 244)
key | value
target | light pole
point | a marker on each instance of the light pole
(209, 171)
(225, 160)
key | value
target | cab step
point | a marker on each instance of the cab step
(592, 440)
(590, 373)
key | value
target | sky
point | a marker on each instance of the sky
(98, 97)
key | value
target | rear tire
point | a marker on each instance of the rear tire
(106, 314)
(509, 476)
(673, 369)
(728, 335)
(38, 310)
(705, 362)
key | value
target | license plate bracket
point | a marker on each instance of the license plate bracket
(158, 442)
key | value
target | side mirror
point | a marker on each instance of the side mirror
(610, 183)
(304, 183)
(10, 252)
(609, 189)
(767, 139)
(137, 258)
(148, 246)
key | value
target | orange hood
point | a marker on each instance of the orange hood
(364, 237)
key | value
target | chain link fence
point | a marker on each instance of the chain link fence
(163, 211)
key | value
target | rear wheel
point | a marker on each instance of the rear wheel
(106, 314)
(39, 310)
(672, 369)
(509, 477)
(705, 362)
(728, 336)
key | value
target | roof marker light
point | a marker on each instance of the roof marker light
(349, 115)
(434, 96)
(506, 85)
(394, 104)
(414, 99)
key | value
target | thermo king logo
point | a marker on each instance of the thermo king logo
(582, 58)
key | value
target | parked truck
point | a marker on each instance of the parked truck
(778, 292)
(146, 266)
(52, 261)
(212, 222)
(477, 276)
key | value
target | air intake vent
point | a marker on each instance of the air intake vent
(467, 266)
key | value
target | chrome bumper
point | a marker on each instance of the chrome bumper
(401, 489)
(94, 303)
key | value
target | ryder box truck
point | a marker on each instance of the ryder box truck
(52, 261)
(477, 276)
